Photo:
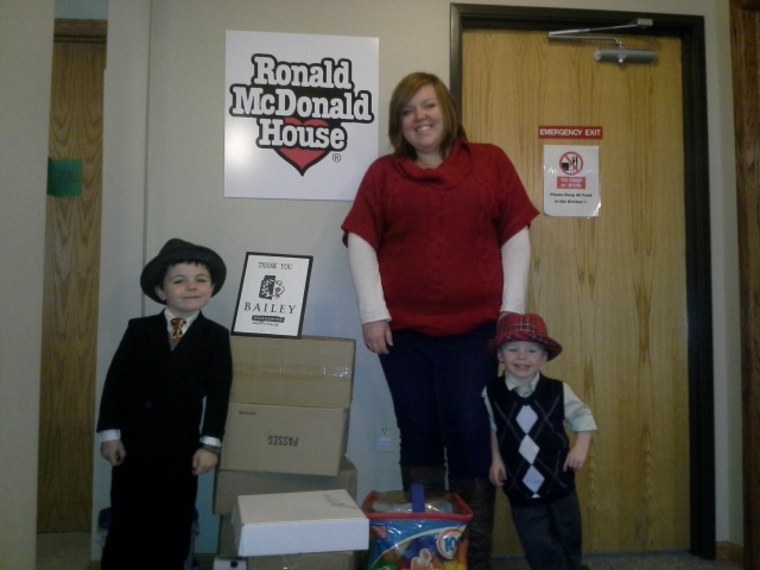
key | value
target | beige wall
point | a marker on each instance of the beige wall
(26, 40)
(163, 177)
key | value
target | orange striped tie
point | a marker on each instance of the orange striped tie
(177, 324)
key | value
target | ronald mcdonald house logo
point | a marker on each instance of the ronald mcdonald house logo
(300, 108)
(300, 114)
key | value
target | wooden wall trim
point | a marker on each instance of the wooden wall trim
(748, 4)
(81, 30)
(745, 52)
(730, 552)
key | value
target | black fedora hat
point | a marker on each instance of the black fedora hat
(178, 251)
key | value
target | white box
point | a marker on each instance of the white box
(293, 523)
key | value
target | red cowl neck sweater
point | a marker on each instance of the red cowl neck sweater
(438, 233)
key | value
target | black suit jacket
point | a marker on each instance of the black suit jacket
(155, 395)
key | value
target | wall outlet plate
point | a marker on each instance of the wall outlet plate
(384, 440)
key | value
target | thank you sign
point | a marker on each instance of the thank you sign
(272, 296)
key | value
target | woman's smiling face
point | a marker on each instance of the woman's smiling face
(422, 121)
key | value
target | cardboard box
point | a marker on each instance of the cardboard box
(294, 523)
(310, 561)
(307, 561)
(226, 547)
(229, 485)
(316, 561)
(305, 371)
(284, 439)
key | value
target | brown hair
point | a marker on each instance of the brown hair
(403, 93)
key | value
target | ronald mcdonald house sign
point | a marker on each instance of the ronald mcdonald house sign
(300, 115)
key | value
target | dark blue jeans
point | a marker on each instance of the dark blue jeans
(436, 385)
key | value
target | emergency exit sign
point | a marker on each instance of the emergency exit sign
(569, 132)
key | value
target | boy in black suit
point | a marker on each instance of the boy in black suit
(152, 407)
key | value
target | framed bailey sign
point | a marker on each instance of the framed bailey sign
(272, 295)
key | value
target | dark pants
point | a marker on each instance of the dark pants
(551, 534)
(436, 385)
(152, 510)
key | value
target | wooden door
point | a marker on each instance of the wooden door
(612, 288)
(72, 265)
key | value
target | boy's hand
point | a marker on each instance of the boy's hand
(498, 473)
(113, 451)
(576, 459)
(204, 461)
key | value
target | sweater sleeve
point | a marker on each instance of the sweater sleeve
(489, 409)
(365, 272)
(219, 383)
(110, 412)
(577, 414)
(515, 260)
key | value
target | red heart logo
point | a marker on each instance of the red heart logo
(302, 158)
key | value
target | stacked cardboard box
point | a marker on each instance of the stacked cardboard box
(287, 426)
(230, 484)
(289, 404)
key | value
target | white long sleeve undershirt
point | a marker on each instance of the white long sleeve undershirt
(365, 272)
(515, 262)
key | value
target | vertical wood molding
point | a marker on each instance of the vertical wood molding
(745, 29)
(748, 4)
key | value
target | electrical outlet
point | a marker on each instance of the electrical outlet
(384, 437)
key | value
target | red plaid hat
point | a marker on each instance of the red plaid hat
(531, 328)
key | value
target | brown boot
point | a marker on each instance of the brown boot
(433, 478)
(479, 494)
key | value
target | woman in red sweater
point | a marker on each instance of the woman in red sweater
(438, 246)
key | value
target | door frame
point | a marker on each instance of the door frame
(690, 30)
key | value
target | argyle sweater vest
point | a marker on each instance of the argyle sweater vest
(532, 441)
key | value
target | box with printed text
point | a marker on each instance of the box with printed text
(284, 439)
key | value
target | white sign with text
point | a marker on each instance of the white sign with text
(571, 181)
(300, 115)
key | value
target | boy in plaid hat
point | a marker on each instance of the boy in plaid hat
(533, 460)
